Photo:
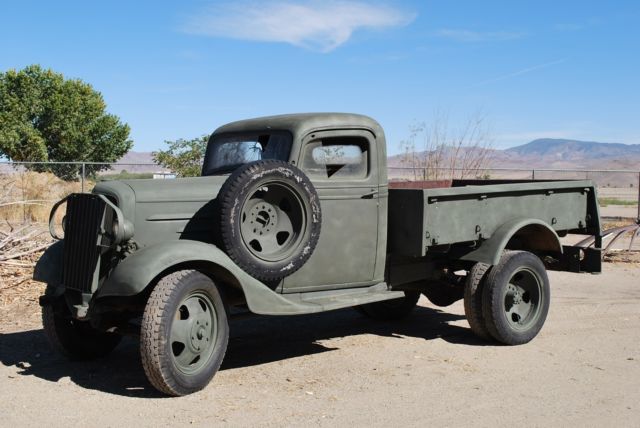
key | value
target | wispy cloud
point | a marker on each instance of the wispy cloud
(313, 24)
(520, 72)
(469, 36)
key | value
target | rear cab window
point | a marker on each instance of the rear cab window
(337, 158)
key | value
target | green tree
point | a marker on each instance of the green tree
(183, 157)
(45, 117)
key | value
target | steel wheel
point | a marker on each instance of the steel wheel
(184, 333)
(272, 222)
(515, 298)
(522, 299)
(270, 219)
(75, 339)
(193, 333)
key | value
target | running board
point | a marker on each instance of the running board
(320, 301)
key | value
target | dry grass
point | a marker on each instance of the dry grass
(616, 223)
(28, 196)
(621, 256)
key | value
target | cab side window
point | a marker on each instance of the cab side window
(337, 158)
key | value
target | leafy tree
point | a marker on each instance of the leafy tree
(183, 157)
(45, 117)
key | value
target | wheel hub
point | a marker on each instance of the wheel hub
(270, 223)
(200, 333)
(521, 299)
(263, 218)
(517, 298)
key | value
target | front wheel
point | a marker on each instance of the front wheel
(516, 298)
(184, 333)
(76, 340)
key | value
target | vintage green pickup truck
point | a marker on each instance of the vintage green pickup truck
(294, 214)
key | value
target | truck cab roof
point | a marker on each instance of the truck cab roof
(300, 124)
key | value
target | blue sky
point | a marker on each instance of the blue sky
(567, 69)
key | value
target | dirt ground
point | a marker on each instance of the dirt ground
(340, 368)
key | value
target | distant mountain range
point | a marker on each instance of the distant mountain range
(562, 154)
(573, 150)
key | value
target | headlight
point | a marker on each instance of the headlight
(122, 232)
(115, 228)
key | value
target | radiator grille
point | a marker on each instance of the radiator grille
(81, 251)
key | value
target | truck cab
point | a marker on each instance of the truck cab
(344, 156)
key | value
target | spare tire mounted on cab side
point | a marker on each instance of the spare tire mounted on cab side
(270, 218)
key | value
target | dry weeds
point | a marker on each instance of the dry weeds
(28, 196)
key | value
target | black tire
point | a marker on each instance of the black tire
(180, 354)
(76, 340)
(473, 291)
(516, 298)
(270, 218)
(390, 310)
(442, 294)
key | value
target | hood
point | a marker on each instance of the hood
(192, 189)
(181, 208)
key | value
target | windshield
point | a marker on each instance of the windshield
(226, 152)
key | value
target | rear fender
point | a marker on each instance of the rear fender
(132, 275)
(530, 234)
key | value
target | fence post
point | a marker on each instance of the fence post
(638, 195)
(82, 179)
(533, 174)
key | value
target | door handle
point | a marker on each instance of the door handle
(370, 195)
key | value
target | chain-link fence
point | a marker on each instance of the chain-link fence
(29, 189)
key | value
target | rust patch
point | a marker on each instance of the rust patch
(428, 184)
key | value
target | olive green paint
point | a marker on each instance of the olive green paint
(368, 229)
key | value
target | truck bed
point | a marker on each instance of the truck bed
(427, 214)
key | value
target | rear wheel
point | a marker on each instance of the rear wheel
(473, 290)
(72, 338)
(393, 309)
(516, 298)
(184, 333)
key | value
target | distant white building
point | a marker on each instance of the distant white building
(163, 175)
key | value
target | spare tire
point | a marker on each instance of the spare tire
(270, 218)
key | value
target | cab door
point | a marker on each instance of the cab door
(339, 163)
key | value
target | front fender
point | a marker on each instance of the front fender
(136, 272)
(48, 269)
(491, 250)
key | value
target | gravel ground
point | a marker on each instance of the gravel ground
(342, 369)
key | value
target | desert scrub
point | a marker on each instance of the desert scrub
(613, 201)
(28, 196)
